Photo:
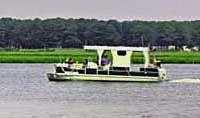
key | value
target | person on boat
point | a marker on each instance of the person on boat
(105, 61)
(70, 62)
(155, 63)
(86, 62)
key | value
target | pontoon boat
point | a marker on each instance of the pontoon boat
(119, 68)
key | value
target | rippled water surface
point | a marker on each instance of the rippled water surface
(25, 92)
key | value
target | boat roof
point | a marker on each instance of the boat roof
(123, 48)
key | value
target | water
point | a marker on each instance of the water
(25, 92)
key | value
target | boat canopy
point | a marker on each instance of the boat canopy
(123, 59)
(116, 48)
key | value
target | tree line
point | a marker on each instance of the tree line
(74, 33)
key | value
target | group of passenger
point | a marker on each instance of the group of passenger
(104, 61)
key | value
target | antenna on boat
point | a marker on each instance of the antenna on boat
(142, 40)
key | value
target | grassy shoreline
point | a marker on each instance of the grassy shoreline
(60, 55)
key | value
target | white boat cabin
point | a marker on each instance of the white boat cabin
(121, 56)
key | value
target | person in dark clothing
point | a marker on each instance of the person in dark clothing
(70, 62)
(86, 62)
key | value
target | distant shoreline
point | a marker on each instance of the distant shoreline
(79, 55)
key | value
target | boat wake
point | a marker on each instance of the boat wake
(185, 81)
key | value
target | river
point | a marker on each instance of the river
(25, 92)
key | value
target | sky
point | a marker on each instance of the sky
(149, 10)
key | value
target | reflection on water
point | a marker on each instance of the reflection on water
(25, 92)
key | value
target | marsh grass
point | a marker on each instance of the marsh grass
(79, 55)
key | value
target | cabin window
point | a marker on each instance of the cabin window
(121, 53)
